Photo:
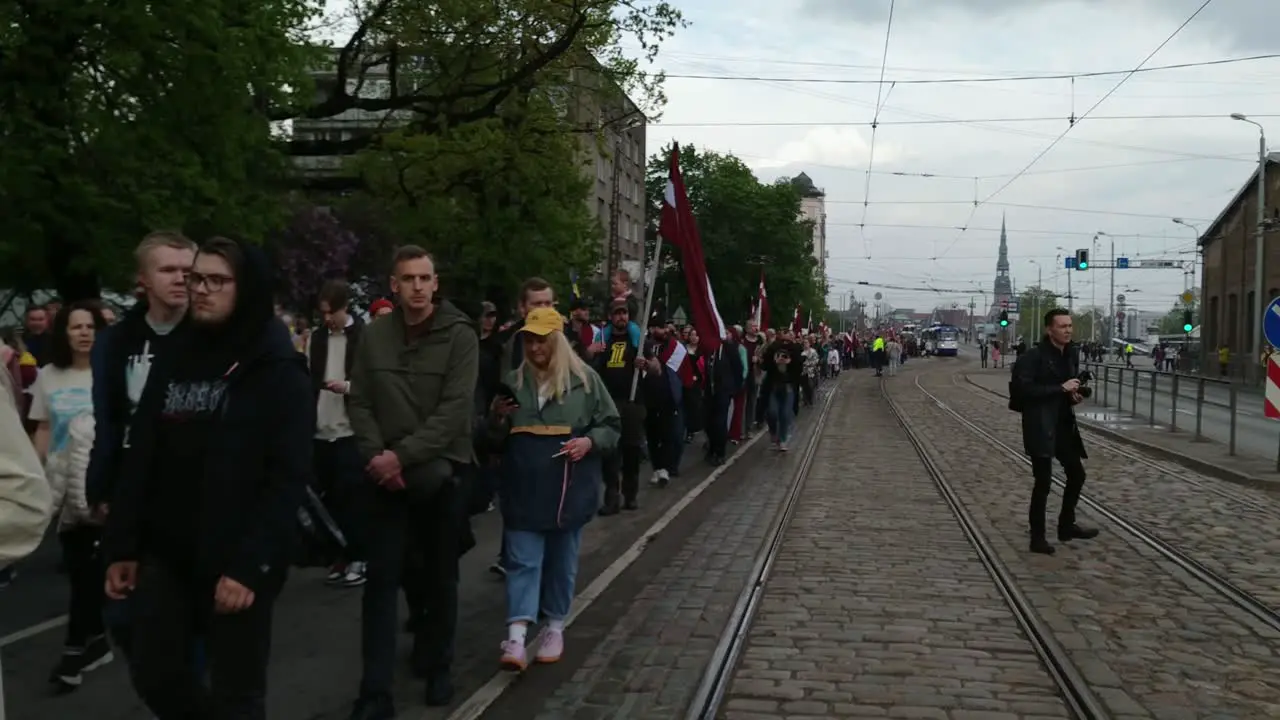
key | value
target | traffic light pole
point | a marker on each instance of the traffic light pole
(1111, 324)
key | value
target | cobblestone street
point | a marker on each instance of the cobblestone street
(656, 630)
(878, 605)
(1151, 641)
(1235, 531)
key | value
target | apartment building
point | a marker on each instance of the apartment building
(611, 132)
(813, 207)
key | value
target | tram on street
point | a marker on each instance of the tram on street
(942, 340)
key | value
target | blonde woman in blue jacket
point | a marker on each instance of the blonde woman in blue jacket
(555, 421)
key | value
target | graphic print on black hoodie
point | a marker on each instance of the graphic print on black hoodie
(184, 429)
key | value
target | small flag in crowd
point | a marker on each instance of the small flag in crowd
(679, 228)
(575, 294)
(761, 313)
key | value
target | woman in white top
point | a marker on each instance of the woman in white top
(62, 407)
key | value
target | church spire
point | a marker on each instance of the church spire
(1003, 288)
(1003, 262)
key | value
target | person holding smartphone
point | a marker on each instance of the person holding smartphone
(783, 365)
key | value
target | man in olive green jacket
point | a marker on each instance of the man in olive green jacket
(411, 404)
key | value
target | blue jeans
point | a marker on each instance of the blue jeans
(541, 570)
(781, 412)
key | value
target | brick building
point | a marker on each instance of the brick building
(1228, 247)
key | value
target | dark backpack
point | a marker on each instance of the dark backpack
(1015, 390)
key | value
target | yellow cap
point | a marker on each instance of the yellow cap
(543, 321)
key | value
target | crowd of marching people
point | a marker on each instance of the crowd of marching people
(192, 450)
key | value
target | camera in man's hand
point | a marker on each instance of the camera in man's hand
(1085, 391)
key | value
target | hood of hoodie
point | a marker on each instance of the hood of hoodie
(445, 316)
(252, 331)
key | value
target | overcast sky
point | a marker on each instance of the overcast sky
(1161, 168)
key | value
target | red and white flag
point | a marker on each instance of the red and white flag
(680, 229)
(795, 321)
(761, 309)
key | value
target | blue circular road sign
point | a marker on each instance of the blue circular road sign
(1271, 323)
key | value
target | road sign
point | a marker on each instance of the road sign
(1011, 305)
(1014, 317)
(1271, 323)
(1187, 297)
(1156, 264)
(1122, 263)
(1120, 315)
(1271, 401)
(1071, 263)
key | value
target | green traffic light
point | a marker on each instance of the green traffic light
(1186, 328)
(1004, 323)
(1084, 266)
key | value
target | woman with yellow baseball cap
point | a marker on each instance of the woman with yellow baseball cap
(555, 420)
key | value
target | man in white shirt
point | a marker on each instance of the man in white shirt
(330, 352)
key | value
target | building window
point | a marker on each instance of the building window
(1210, 325)
(1232, 321)
(600, 208)
(1248, 323)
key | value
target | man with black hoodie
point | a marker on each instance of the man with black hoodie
(411, 406)
(121, 361)
(204, 513)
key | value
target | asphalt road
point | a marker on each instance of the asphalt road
(315, 666)
(1256, 435)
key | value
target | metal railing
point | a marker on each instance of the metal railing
(1163, 397)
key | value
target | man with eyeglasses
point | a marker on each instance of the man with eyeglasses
(203, 517)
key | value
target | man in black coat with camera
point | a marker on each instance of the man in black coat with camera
(1046, 385)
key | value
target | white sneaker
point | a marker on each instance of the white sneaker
(355, 575)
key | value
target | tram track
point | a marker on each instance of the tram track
(1075, 690)
(715, 682)
(1079, 701)
(1235, 596)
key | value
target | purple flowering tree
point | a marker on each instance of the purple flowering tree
(315, 246)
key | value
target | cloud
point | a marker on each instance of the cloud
(841, 146)
(1246, 25)
(1160, 147)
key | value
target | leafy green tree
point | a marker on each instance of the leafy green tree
(745, 226)
(1084, 320)
(121, 117)
(496, 201)
(1033, 303)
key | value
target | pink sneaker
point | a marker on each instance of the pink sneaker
(551, 646)
(514, 657)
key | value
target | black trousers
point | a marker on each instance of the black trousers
(84, 575)
(1042, 471)
(340, 478)
(622, 473)
(417, 546)
(172, 612)
(718, 425)
(665, 433)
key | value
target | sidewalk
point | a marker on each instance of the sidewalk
(1204, 456)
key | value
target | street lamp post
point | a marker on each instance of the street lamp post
(1197, 308)
(1039, 289)
(1111, 322)
(1260, 300)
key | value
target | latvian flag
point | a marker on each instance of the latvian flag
(680, 229)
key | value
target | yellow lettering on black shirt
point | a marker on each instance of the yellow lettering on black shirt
(617, 355)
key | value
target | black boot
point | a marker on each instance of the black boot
(439, 688)
(1073, 531)
(631, 504)
(374, 707)
(1041, 546)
